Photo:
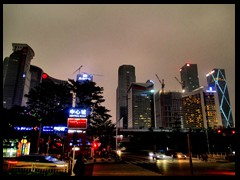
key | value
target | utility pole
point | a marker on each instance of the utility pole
(189, 151)
(117, 133)
(39, 137)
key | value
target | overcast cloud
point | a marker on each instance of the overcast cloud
(155, 38)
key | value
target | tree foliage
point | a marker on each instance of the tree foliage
(90, 96)
(49, 101)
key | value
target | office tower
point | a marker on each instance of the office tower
(217, 78)
(200, 109)
(169, 110)
(126, 76)
(141, 113)
(16, 75)
(189, 77)
(36, 76)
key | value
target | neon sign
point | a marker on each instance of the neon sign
(84, 77)
(77, 112)
(210, 90)
(77, 123)
(23, 128)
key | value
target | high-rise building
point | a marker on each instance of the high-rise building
(16, 75)
(36, 76)
(217, 78)
(169, 110)
(126, 76)
(200, 109)
(189, 77)
(141, 113)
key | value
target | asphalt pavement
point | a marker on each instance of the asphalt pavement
(109, 167)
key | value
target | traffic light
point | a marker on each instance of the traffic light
(233, 131)
(94, 145)
(219, 131)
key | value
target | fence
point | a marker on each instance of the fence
(36, 167)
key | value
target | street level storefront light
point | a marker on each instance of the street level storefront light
(76, 148)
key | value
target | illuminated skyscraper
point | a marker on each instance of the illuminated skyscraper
(200, 109)
(189, 77)
(126, 75)
(217, 78)
(16, 75)
(141, 105)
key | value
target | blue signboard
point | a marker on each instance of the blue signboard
(73, 112)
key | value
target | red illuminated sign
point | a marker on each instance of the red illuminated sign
(77, 123)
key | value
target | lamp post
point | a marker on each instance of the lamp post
(73, 158)
(189, 151)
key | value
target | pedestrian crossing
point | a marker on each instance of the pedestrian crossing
(147, 161)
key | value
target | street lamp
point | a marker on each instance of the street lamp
(73, 160)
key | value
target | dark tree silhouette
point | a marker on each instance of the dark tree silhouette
(49, 101)
(89, 96)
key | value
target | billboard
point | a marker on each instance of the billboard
(77, 123)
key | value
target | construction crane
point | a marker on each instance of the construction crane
(161, 82)
(93, 74)
(78, 70)
(182, 84)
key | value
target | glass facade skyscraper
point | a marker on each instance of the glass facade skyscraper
(217, 78)
(126, 76)
(189, 77)
(141, 105)
(17, 76)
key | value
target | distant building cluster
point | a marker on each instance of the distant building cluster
(138, 105)
(196, 107)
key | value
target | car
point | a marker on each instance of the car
(179, 155)
(36, 162)
(158, 155)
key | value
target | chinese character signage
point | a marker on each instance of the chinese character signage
(84, 77)
(77, 113)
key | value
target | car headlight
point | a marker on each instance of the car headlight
(150, 154)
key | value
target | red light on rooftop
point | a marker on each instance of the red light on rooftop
(44, 76)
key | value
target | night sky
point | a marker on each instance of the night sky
(155, 38)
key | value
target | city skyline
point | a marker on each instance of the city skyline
(154, 38)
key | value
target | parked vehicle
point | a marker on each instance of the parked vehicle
(37, 162)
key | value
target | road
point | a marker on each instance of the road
(169, 167)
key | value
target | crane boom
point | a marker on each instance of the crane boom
(161, 82)
(180, 82)
(78, 69)
(93, 74)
